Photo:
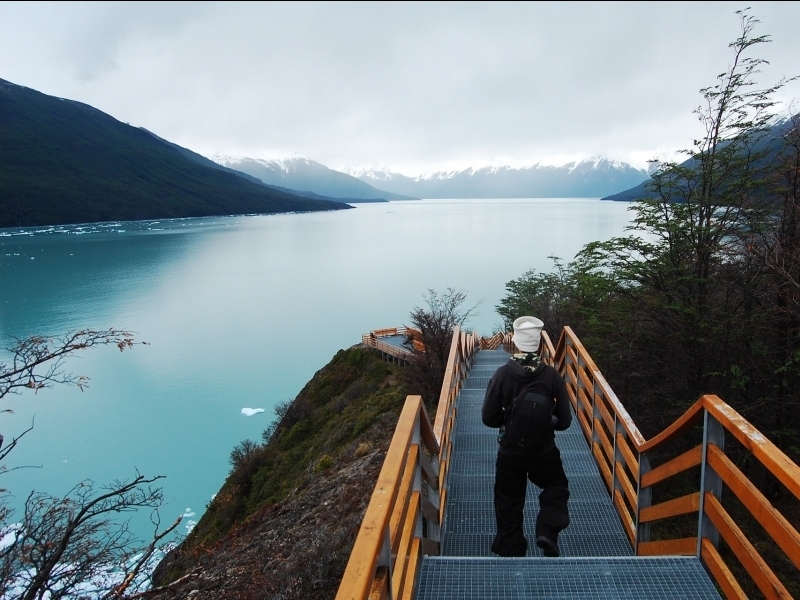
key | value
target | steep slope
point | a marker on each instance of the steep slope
(306, 175)
(66, 162)
(589, 178)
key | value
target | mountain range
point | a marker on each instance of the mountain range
(62, 162)
(306, 175)
(593, 177)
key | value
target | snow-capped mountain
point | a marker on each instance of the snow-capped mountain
(306, 175)
(594, 177)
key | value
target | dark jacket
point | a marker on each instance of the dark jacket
(507, 383)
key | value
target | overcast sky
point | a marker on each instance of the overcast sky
(413, 86)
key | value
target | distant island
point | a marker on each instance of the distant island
(64, 162)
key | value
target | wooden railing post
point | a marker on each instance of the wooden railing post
(644, 498)
(713, 433)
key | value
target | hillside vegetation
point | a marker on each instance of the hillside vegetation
(284, 522)
(66, 162)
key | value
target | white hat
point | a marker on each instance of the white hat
(527, 333)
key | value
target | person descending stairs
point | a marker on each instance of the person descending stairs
(596, 561)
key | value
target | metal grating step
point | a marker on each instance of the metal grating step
(465, 488)
(471, 463)
(477, 517)
(633, 578)
(484, 440)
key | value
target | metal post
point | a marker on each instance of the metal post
(385, 559)
(618, 458)
(416, 438)
(644, 499)
(435, 529)
(713, 433)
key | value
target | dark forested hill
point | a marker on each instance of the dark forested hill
(770, 143)
(65, 162)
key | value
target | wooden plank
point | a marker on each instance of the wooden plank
(722, 574)
(608, 418)
(627, 522)
(400, 508)
(780, 465)
(444, 400)
(426, 430)
(587, 428)
(605, 471)
(681, 546)
(380, 585)
(773, 522)
(751, 560)
(627, 455)
(627, 487)
(388, 331)
(585, 400)
(405, 547)
(679, 506)
(587, 385)
(605, 443)
(407, 589)
(358, 574)
(548, 351)
(442, 505)
(687, 460)
(443, 470)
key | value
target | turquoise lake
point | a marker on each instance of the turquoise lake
(239, 312)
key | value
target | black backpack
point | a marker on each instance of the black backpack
(526, 419)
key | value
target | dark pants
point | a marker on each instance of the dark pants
(511, 480)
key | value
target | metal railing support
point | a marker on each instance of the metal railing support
(644, 497)
(713, 433)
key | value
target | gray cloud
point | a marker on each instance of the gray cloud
(410, 85)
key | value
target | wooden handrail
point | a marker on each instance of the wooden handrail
(603, 418)
(411, 491)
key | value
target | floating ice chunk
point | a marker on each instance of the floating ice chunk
(189, 526)
(188, 513)
(249, 412)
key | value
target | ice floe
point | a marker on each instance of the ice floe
(249, 412)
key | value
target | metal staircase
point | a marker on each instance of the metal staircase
(596, 560)
(428, 529)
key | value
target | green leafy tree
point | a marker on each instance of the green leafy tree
(436, 323)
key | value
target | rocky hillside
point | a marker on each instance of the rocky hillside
(284, 522)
